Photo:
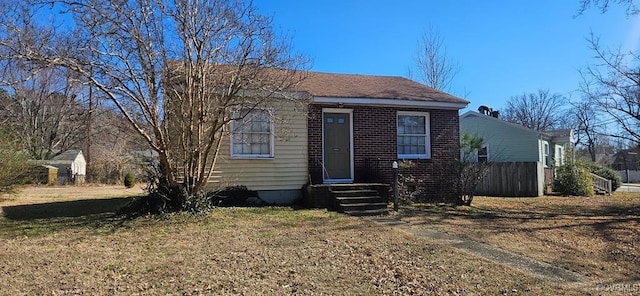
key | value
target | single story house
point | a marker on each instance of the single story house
(351, 130)
(507, 142)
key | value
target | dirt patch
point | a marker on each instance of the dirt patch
(597, 237)
(250, 251)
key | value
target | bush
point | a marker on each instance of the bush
(129, 180)
(606, 173)
(163, 198)
(14, 168)
(236, 196)
(573, 179)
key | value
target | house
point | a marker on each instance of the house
(507, 142)
(627, 163)
(72, 167)
(351, 131)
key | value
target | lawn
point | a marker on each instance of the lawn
(65, 240)
(75, 246)
(598, 237)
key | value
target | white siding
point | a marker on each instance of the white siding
(507, 143)
(285, 171)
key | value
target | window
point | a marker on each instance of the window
(413, 135)
(483, 154)
(547, 157)
(252, 134)
(559, 156)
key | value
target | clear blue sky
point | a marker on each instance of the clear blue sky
(505, 48)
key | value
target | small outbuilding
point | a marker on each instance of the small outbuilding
(46, 174)
(72, 167)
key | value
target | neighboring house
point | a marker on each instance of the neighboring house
(508, 142)
(72, 167)
(353, 129)
(627, 163)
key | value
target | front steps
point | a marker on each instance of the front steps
(359, 199)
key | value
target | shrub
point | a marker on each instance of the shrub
(606, 173)
(236, 196)
(573, 179)
(14, 168)
(164, 198)
(129, 180)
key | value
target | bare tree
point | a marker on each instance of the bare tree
(175, 69)
(587, 127)
(614, 85)
(604, 5)
(114, 147)
(44, 109)
(540, 111)
(434, 66)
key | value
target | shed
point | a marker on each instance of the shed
(72, 167)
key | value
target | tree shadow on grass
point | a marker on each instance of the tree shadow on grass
(46, 218)
(76, 208)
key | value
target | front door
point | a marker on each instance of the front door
(337, 146)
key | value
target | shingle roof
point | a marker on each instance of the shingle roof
(69, 155)
(560, 132)
(364, 86)
(560, 135)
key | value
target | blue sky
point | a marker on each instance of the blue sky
(505, 48)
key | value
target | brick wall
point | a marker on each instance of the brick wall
(374, 147)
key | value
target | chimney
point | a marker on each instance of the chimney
(484, 110)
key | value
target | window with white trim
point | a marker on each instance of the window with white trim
(547, 155)
(559, 156)
(413, 135)
(252, 134)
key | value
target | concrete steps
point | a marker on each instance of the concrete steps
(358, 200)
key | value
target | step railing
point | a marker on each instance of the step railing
(601, 184)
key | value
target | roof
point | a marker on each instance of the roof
(340, 88)
(69, 155)
(560, 132)
(351, 86)
(561, 135)
(487, 117)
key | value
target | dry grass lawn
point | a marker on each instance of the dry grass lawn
(598, 237)
(76, 247)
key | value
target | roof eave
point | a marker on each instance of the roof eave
(385, 102)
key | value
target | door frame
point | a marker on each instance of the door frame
(350, 112)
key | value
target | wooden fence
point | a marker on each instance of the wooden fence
(512, 179)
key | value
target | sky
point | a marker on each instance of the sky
(505, 47)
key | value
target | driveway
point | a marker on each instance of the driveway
(629, 187)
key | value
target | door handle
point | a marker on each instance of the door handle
(336, 149)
